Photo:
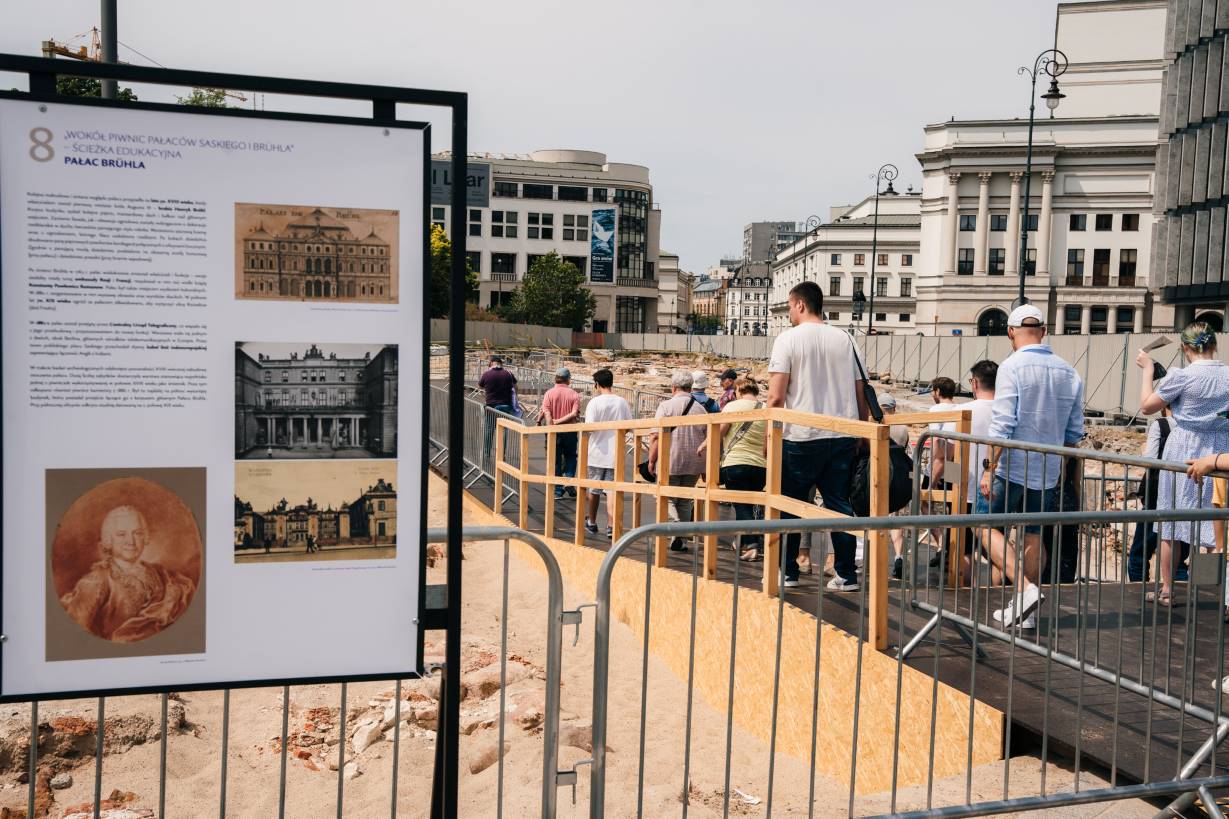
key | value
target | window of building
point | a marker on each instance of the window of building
(530, 190)
(285, 376)
(600, 195)
(1101, 268)
(1105, 221)
(579, 262)
(1126, 267)
(858, 282)
(882, 260)
(905, 316)
(475, 228)
(268, 376)
(1098, 321)
(881, 286)
(1130, 221)
(859, 258)
(504, 263)
(506, 189)
(968, 221)
(906, 260)
(998, 259)
(1032, 221)
(570, 193)
(834, 259)
(475, 215)
(998, 222)
(531, 259)
(1126, 320)
(575, 227)
(1075, 267)
(475, 260)
(437, 213)
(833, 315)
(906, 287)
(881, 317)
(1030, 262)
(503, 223)
(964, 261)
(1072, 316)
(834, 286)
(1077, 221)
(540, 225)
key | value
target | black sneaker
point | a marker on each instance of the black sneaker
(571, 490)
(898, 568)
(936, 560)
(558, 494)
(609, 531)
(591, 528)
(677, 545)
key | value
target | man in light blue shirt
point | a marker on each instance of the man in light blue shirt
(1038, 399)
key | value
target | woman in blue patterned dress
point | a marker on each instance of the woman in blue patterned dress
(1198, 395)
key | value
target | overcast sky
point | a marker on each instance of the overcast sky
(741, 110)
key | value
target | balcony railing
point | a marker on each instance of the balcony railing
(635, 281)
(503, 277)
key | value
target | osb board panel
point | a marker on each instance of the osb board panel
(670, 615)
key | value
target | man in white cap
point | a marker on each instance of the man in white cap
(1038, 399)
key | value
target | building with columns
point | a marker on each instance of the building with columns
(1089, 198)
(335, 400)
(1191, 252)
(837, 255)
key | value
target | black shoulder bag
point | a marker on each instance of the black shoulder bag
(900, 465)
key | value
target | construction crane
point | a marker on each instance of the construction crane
(93, 53)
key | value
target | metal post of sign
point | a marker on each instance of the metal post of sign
(110, 49)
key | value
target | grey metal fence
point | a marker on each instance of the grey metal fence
(39, 737)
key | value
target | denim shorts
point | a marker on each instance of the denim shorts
(1008, 498)
(600, 473)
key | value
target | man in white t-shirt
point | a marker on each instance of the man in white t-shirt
(603, 448)
(982, 376)
(816, 368)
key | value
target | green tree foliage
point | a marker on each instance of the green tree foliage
(553, 294)
(441, 274)
(703, 324)
(89, 87)
(205, 98)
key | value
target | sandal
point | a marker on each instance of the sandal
(804, 564)
(1160, 598)
(751, 555)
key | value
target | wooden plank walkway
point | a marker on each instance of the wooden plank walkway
(1095, 723)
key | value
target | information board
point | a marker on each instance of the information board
(213, 387)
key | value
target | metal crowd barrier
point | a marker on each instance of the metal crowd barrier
(1185, 779)
(555, 618)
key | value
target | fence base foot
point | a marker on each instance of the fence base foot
(917, 638)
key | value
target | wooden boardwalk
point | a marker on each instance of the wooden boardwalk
(1076, 716)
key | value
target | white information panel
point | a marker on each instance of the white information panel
(212, 398)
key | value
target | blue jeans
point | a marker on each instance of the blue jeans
(1007, 497)
(1143, 545)
(746, 478)
(565, 455)
(826, 465)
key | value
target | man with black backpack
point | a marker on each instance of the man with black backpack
(815, 368)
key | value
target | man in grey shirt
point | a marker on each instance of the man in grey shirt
(686, 463)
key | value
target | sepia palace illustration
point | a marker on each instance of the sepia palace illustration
(370, 519)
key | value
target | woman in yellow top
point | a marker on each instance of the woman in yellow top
(1200, 468)
(743, 461)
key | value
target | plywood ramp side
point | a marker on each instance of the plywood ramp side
(670, 615)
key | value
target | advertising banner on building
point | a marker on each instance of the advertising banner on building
(477, 183)
(602, 246)
(213, 362)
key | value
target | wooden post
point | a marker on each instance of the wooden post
(964, 426)
(637, 499)
(498, 502)
(877, 549)
(661, 512)
(616, 500)
(552, 443)
(524, 496)
(772, 491)
(712, 479)
(582, 494)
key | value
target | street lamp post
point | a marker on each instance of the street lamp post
(887, 172)
(809, 226)
(1051, 63)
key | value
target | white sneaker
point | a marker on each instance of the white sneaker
(1020, 607)
(791, 583)
(839, 583)
(1223, 685)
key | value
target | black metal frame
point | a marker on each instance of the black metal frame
(42, 73)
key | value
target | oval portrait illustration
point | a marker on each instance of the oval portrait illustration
(126, 559)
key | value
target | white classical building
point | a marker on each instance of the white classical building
(746, 300)
(1090, 204)
(547, 201)
(838, 255)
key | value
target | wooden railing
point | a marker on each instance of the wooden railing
(707, 495)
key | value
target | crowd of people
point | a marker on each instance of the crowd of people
(1031, 397)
